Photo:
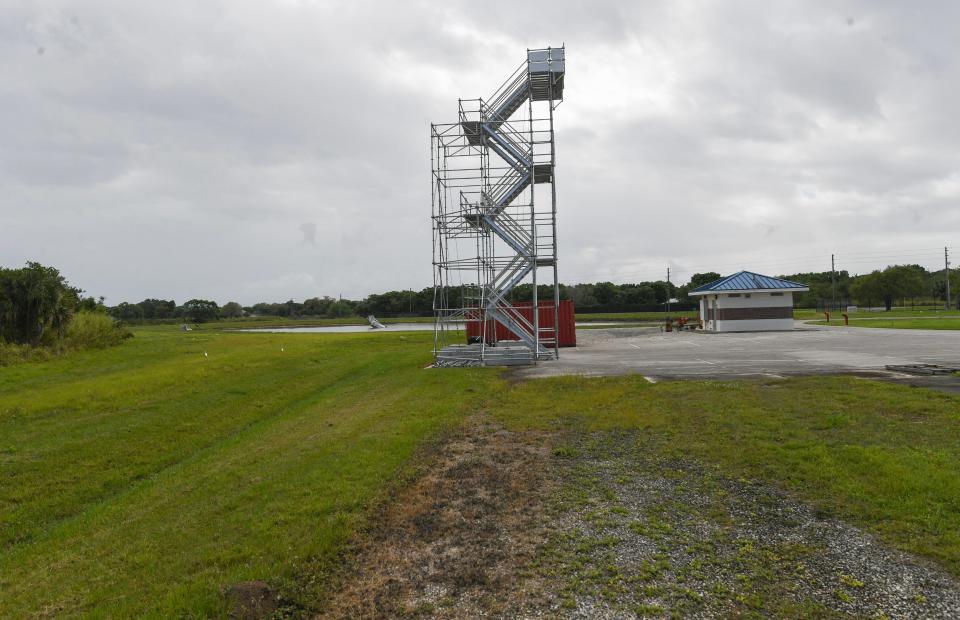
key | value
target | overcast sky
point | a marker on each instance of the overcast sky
(258, 150)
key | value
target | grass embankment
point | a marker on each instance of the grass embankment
(139, 480)
(885, 457)
(904, 323)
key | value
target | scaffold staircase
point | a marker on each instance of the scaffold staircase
(542, 80)
(494, 221)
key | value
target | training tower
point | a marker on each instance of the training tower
(495, 219)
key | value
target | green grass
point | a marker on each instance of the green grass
(806, 313)
(139, 480)
(908, 323)
(886, 457)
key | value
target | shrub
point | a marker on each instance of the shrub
(12, 353)
(94, 330)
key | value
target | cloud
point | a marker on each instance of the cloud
(170, 149)
(309, 231)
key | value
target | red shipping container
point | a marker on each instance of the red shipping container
(567, 333)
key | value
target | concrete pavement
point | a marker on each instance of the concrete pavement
(804, 351)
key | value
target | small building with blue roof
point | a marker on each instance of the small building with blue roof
(747, 302)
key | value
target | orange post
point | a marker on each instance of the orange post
(827, 314)
(846, 318)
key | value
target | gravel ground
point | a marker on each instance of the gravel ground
(640, 535)
(560, 525)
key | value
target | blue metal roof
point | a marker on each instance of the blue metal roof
(748, 281)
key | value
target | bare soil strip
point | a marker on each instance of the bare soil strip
(454, 543)
(605, 526)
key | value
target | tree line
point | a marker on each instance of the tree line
(897, 284)
(37, 304)
(203, 310)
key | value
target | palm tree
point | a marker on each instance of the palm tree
(33, 300)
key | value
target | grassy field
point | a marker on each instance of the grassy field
(279, 321)
(140, 480)
(902, 323)
(806, 313)
(273, 321)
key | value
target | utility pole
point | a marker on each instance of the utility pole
(833, 284)
(668, 291)
(946, 270)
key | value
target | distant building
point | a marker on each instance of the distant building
(747, 302)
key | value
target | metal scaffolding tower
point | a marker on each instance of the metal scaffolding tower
(494, 222)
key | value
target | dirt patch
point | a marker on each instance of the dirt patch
(457, 542)
(250, 600)
(943, 383)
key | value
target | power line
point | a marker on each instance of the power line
(681, 269)
(890, 251)
(652, 275)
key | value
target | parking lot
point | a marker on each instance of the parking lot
(804, 351)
